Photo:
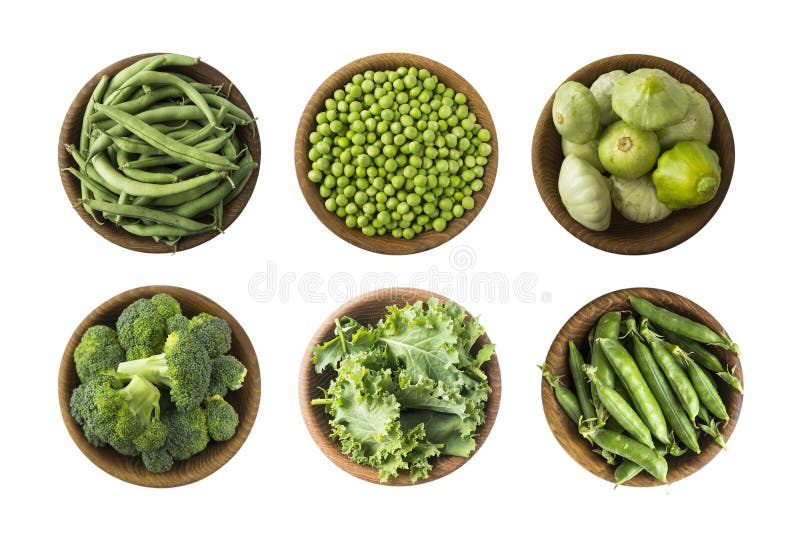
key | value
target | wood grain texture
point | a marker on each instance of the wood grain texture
(70, 134)
(577, 329)
(387, 244)
(624, 236)
(369, 308)
(245, 400)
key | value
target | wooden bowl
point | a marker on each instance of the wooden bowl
(577, 329)
(369, 308)
(244, 400)
(70, 134)
(387, 244)
(624, 236)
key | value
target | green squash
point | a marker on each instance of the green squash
(649, 99)
(575, 113)
(687, 175)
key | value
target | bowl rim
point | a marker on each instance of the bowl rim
(184, 472)
(564, 430)
(121, 238)
(387, 244)
(646, 244)
(317, 425)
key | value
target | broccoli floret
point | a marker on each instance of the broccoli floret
(221, 418)
(227, 373)
(184, 368)
(214, 333)
(141, 327)
(121, 417)
(187, 433)
(98, 351)
(177, 322)
(158, 461)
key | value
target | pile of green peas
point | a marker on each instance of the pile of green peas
(398, 152)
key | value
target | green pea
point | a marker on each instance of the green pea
(458, 210)
(439, 224)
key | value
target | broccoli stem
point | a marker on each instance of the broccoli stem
(153, 369)
(143, 398)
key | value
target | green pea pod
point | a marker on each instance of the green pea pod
(565, 397)
(680, 324)
(620, 410)
(677, 377)
(579, 381)
(630, 449)
(628, 372)
(731, 380)
(628, 469)
(698, 352)
(673, 411)
(607, 327)
(702, 383)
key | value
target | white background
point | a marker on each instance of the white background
(521, 487)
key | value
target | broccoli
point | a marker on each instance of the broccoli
(187, 433)
(221, 418)
(98, 351)
(177, 322)
(126, 418)
(158, 461)
(214, 333)
(141, 327)
(184, 368)
(227, 373)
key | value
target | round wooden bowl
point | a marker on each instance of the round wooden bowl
(386, 244)
(245, 400)
(370, 308)
(624, 236)
(577, 329)
(70, 134)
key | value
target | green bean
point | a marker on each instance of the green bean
(139, 212)
(607, 327)
(167, 145)
(630, 449)
(700, 354)
(565, 397)
(221, 102)
(153, 77)
(149, 176)
(677, 377)
(97, 190)
(681, 325)
(628, 469)
(118, 91)
(157, 161)
(216, 197)
(580, 383)
(628, 372)
(163, 230)
(97, 96)
(673, 411)
(134, 106)
(183, 197)
(133, 146)
(246, 167)
(119, 183)
(620, 410)
(702, 383)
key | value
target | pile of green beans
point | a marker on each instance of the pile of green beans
(398, 152)
(158, 154)
(648, 389)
